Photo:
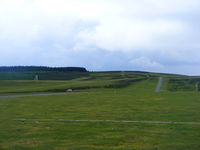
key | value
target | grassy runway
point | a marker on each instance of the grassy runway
(107, 101)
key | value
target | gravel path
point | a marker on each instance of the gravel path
(159, 85)
(114, 121)
(14, 96)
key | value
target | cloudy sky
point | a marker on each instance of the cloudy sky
(150, 35)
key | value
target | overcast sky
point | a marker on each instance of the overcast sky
(150, 35)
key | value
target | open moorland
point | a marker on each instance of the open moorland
(104, 111)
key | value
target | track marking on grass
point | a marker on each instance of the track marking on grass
(14, 96)
(113, 121)
(159, 85)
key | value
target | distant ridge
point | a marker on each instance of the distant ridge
(40, 68)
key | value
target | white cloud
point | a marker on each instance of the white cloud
(126, 34)
(145, 63)
(120, 25)
(144, 27)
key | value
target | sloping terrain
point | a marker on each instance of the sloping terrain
(115, 96)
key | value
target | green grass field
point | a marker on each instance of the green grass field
(101, 96)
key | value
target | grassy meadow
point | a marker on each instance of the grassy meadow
(101, 96)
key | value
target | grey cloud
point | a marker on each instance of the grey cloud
(156, 35)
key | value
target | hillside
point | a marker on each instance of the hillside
(105, 110)
(40, 69)
(23, 82)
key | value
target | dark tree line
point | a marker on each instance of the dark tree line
(40, 68)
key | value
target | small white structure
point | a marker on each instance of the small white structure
(197, 86)
(69, 90)
(36, 78)
(122, 74)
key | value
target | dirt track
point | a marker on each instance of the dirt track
(113, 121)
(14, 96)
(159, 85)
